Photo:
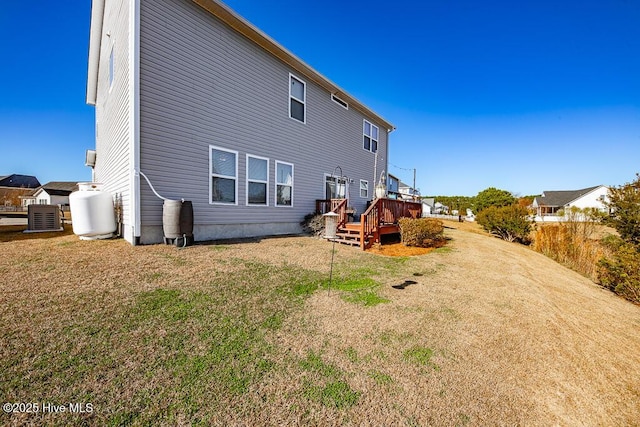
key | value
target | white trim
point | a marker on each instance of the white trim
(134, 115)
(247, 180)
(339, 101)
(303, 101)
(278, 162)
(360, 189)
(211, 175)
(324, 184)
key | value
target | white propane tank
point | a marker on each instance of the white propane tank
(92, 212)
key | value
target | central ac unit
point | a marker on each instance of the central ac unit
(42, 218)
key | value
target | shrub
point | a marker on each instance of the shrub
(508, 222)
(620, 271)
(569, 244)
(421, 232)
(313, 224)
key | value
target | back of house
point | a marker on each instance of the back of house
(212, 110)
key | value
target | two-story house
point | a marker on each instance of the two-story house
(214, 111)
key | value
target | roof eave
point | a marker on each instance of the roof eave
(244, 27)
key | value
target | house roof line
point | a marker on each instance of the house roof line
(250, 31)
(563, 197)
(243, 27)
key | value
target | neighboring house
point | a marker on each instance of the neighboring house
(428, 206)
(214, 111)
(393, 187)
(407, 192)
(54, 193)
(19, 181)
(550, 203)
(14, 188)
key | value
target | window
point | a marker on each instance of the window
(370, 138)
(364, 189)
(257, 180)
(224, 167)
(339, 101)
(297, 98)
(284, 184)
(331, 192)
(111, 67)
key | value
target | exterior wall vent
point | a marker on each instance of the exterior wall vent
(41, 218)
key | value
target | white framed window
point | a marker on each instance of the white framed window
(284, 184)
(335, 187)
(257, 181)
(112, 66)
(339, 101)
(364, 189)
(370, 136)
(223, 165)
(297, 99)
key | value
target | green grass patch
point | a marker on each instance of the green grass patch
(357, 290)
(336, 394)
(420, 356)
(380, 378)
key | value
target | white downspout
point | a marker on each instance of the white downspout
(134, 115)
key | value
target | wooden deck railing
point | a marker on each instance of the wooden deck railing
(338, 206)
(386, 211)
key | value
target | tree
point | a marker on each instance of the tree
(493, 197)
(508, 222)
(624, 203)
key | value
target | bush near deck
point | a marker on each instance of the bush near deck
(421, 232)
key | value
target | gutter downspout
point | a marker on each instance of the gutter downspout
(134, 116)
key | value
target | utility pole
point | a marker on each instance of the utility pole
(414, 184)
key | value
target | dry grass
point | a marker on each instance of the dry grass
(486, 332)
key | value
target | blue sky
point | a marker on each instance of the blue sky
(524, 96)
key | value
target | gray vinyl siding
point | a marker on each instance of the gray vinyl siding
(203, 84)
(112, 110)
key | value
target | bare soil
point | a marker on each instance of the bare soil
(512, 337)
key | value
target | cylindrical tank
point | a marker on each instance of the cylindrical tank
(186, 219)
(92, 211)
(177, 222)
(171, 218)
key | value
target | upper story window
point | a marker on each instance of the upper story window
(112, 68)
(257, 180)
(370, 137)
(297, 98)
(339, 101)
(224, 176)
(284, 184)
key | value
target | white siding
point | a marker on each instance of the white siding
(113, 105)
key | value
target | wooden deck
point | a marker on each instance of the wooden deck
(381, 218)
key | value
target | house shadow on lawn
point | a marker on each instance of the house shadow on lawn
(11, 233)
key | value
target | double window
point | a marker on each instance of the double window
(370, 137)
(297, 98)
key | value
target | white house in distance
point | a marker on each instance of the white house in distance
(212, 110)
(548, 205)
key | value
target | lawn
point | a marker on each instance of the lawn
(253, 333)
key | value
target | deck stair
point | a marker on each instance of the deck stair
(379, 219)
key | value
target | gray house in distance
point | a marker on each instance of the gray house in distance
(214, 111)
